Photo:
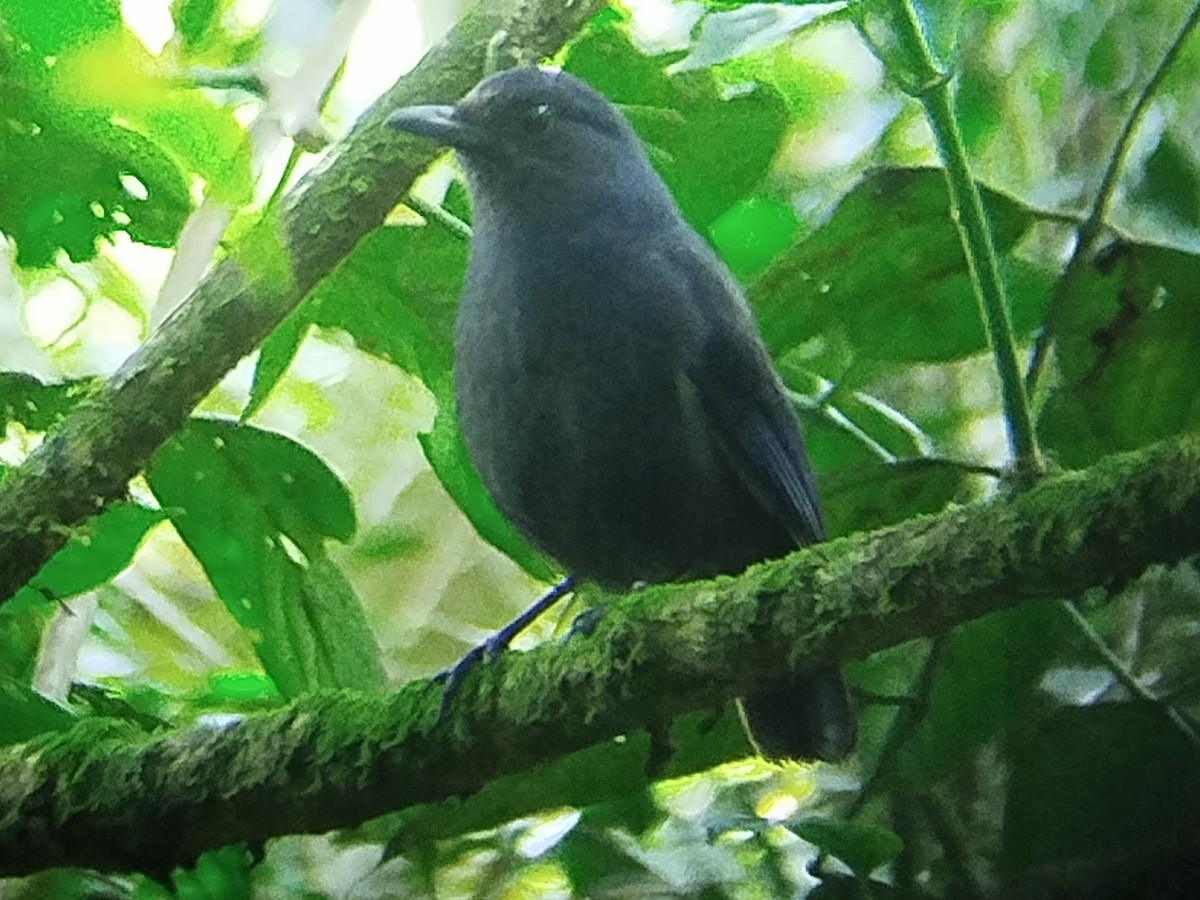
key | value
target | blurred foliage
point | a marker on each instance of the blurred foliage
(1008, 758)
(123, 134)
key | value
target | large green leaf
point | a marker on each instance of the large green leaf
(1127, 347)
(255, 508)
(101, 136)
(72, 177)
(50, 28)
(885, 282)
(711, 146)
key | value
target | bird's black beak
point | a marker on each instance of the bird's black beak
(443, 124)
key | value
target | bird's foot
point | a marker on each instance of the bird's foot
(487, 651)
(484, 653)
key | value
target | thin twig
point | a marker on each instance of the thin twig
(908, 717)
(1126, 677)
(439, 214)
(1094, 225)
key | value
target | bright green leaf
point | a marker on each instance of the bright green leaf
(98, 550)
(711, 146)
(256, 508)
(752, 232)
(25, 714)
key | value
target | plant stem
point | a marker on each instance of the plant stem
(1125, 676)
(931, 86)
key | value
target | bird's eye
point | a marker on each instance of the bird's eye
(537, 117)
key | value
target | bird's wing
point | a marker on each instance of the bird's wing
(740, 395)
(757, 431)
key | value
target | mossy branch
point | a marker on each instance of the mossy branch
(517, 737)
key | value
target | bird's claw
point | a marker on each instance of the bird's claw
(452, 678)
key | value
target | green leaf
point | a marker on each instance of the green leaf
(220, 873)
(194, 18)
(207, 35)
(206, 139)
(98, 551)
(986, 678)
(874, 494)
(23, 622)
(38, 406)
(610, 770)
(589, 858)
(752, 232)
(275, 357)
(711, 145)
(102, 136)
(76, 168)
(863, 848)
(706, 738)
(397, 295)
(1127, 355)
(25, 714)
(1170, 180)
(255, 508)
(240, 689)
(52, 27)
(79, 178)
(1108, 60)
(884, 281)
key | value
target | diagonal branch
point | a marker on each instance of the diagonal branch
(517, 736)
(90, 457)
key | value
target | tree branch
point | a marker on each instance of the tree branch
(103, 796)
(88, 460)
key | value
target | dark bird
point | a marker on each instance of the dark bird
(613, 390)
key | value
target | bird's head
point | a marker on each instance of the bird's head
(526, 135)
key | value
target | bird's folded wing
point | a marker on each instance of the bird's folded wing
(742, 399)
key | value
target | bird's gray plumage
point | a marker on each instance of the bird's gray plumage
(613, 390)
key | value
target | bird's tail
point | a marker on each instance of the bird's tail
(808, 716)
